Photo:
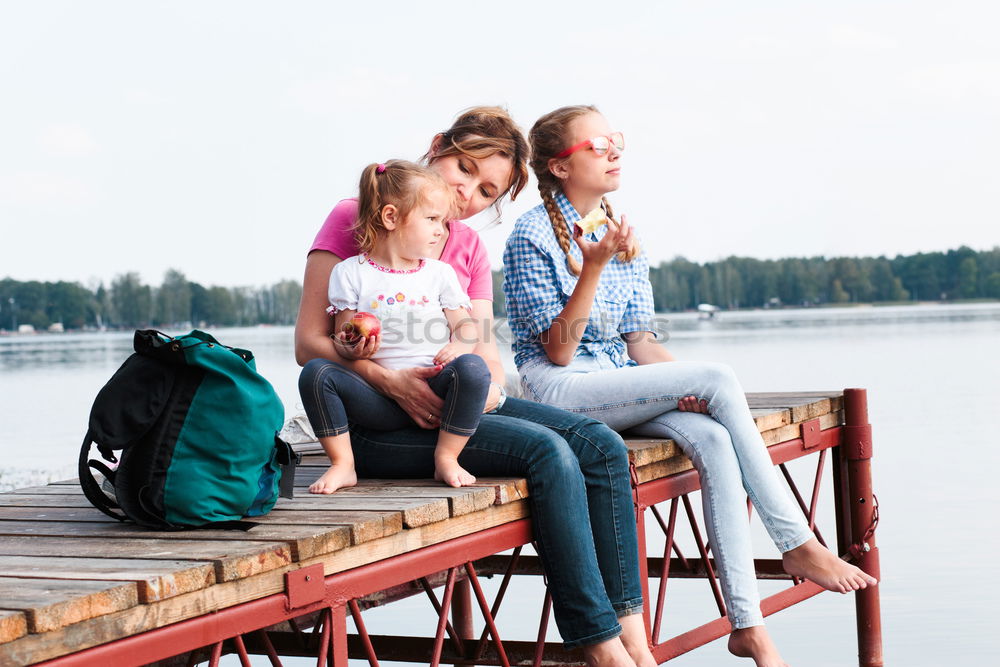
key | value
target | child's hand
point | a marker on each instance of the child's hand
(362, 348)
(453, 350)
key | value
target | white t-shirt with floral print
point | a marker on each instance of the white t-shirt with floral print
(408, 303)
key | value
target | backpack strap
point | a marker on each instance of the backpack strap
(90, 487)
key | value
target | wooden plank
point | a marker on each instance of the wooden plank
(364, 526)
(47, 490)
(793, 431)
(411, 540)
(34, 648)
(768, 418)
(231, 560)
(644, 451)
(49, 513)
(804, 406)
(506, 489)
(13, 624)
(415, 511)
(155, 580)
(46, 500)
(460, 501)
(665, 468)
(50, 604)
(304, 541)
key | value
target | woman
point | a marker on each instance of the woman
(576, 467)
(581, 314)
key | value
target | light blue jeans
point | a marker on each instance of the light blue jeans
(725, 447)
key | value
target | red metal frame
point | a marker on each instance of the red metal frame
(324, 602)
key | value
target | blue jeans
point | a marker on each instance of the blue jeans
(332, 395)
(725, 447)
(580, 498)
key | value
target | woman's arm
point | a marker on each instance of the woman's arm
(313, 327)
(643, 348)
(482, 312)
(561, 340)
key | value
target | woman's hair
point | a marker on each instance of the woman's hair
(398, 182)
(550, 136)
(481, 132)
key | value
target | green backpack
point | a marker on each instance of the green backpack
(195, 427)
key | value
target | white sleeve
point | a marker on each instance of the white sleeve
(344, 286)
(452, 295)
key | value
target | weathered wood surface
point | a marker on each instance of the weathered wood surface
(71, 578)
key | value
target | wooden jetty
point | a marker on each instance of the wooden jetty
(77, 588)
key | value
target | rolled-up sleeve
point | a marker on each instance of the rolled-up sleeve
(638, 314)
(531, 288)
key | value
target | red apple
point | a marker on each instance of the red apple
(362, 325)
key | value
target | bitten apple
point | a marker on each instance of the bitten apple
(362, 325)
(592, 221)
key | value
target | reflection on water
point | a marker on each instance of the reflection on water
(933, 376)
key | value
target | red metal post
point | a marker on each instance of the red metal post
(461, 610)
(858, 448)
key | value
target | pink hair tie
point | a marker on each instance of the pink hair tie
(380, 168)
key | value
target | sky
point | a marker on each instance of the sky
(214, 137)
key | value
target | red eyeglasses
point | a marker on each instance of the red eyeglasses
(600, 145)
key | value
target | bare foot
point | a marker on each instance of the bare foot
(609, 653)
(635, 641)
(818, 564)
(755, 642)
(336, 477)
(447, 470)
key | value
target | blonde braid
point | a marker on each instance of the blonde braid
(559, 228)
(625, 256)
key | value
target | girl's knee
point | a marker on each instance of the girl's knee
(470, 366)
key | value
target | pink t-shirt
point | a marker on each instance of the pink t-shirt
(463, 249)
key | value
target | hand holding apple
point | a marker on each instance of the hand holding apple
(362, 325)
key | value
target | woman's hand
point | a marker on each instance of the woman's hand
(363, 348)
(409, 388)
(692, 404)
(616, 239)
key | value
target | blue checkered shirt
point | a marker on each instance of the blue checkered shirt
(537, 284)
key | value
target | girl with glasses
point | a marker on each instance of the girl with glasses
(577, 468)
(580, 306)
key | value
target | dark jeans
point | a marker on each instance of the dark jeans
(580, 495)
(333, 396)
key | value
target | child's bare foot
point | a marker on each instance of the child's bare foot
(336, 477)
(818, 564)
(447, 470)
(755, 642)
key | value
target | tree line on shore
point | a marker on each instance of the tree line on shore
(128, 303)
(734, 282)
(745, 282)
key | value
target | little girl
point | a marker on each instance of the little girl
(580, 307)
(424, 318)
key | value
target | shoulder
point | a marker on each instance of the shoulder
(463, 236)
(533, 228)
(464, 249)
(337, 233)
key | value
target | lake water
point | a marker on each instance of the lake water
(933, 379)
